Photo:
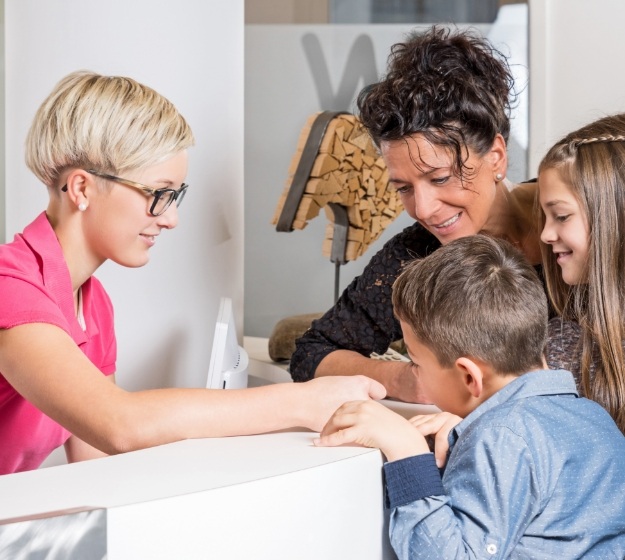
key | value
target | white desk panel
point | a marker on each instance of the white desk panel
(269, 496)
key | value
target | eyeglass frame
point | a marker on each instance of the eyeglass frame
(177, 196)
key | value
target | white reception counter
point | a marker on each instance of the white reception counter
(272, 496)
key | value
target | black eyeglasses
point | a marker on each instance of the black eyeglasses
(162, 197)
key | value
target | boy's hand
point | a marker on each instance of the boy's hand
(439, 425)
(324, 395)
(371, 424)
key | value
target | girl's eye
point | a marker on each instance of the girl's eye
(562, 218)
(403, 189)
(440, 180)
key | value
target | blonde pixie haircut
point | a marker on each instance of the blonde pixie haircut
(112, 124)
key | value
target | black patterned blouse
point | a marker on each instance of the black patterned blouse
(563, 351)
(362, 319)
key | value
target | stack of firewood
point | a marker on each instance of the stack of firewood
(349, 171)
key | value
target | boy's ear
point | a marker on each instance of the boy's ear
(472, 376)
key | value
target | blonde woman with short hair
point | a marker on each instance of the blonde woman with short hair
(113, 155)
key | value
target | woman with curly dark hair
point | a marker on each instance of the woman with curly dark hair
(441, 119)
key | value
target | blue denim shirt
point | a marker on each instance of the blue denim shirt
(535, 472)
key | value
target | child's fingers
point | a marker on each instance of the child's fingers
(419, 419)
(427, 424)
(441, 448)
(440, 425)
(343, 417)
(334, 439)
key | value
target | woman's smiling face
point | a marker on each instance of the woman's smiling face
(117, 223)
(446, 205)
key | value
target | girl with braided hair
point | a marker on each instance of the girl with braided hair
(582, 208)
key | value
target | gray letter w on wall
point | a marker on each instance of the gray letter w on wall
(360, 68)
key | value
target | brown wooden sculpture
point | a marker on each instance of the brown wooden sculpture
(337, 167)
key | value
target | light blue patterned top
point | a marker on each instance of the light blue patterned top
(535, 472)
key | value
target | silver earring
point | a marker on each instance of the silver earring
(82, 206)
(498, 177)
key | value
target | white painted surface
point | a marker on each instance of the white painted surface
(576, 49)
(273, 496)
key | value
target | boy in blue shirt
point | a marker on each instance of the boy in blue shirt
(534, 471)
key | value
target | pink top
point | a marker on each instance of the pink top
(36, 288)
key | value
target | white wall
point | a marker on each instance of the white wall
(286, 273)
(576, 75)
(192, 52)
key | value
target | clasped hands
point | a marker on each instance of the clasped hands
(371, 424)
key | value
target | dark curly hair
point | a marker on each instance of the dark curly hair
(452, 86)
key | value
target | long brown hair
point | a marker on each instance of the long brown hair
(591, 161)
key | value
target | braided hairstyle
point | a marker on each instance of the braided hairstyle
(591, 161)
(451, 86)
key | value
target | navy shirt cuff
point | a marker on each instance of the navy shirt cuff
(412, 478)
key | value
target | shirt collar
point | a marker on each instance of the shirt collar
(41, 238)
(535, 383)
